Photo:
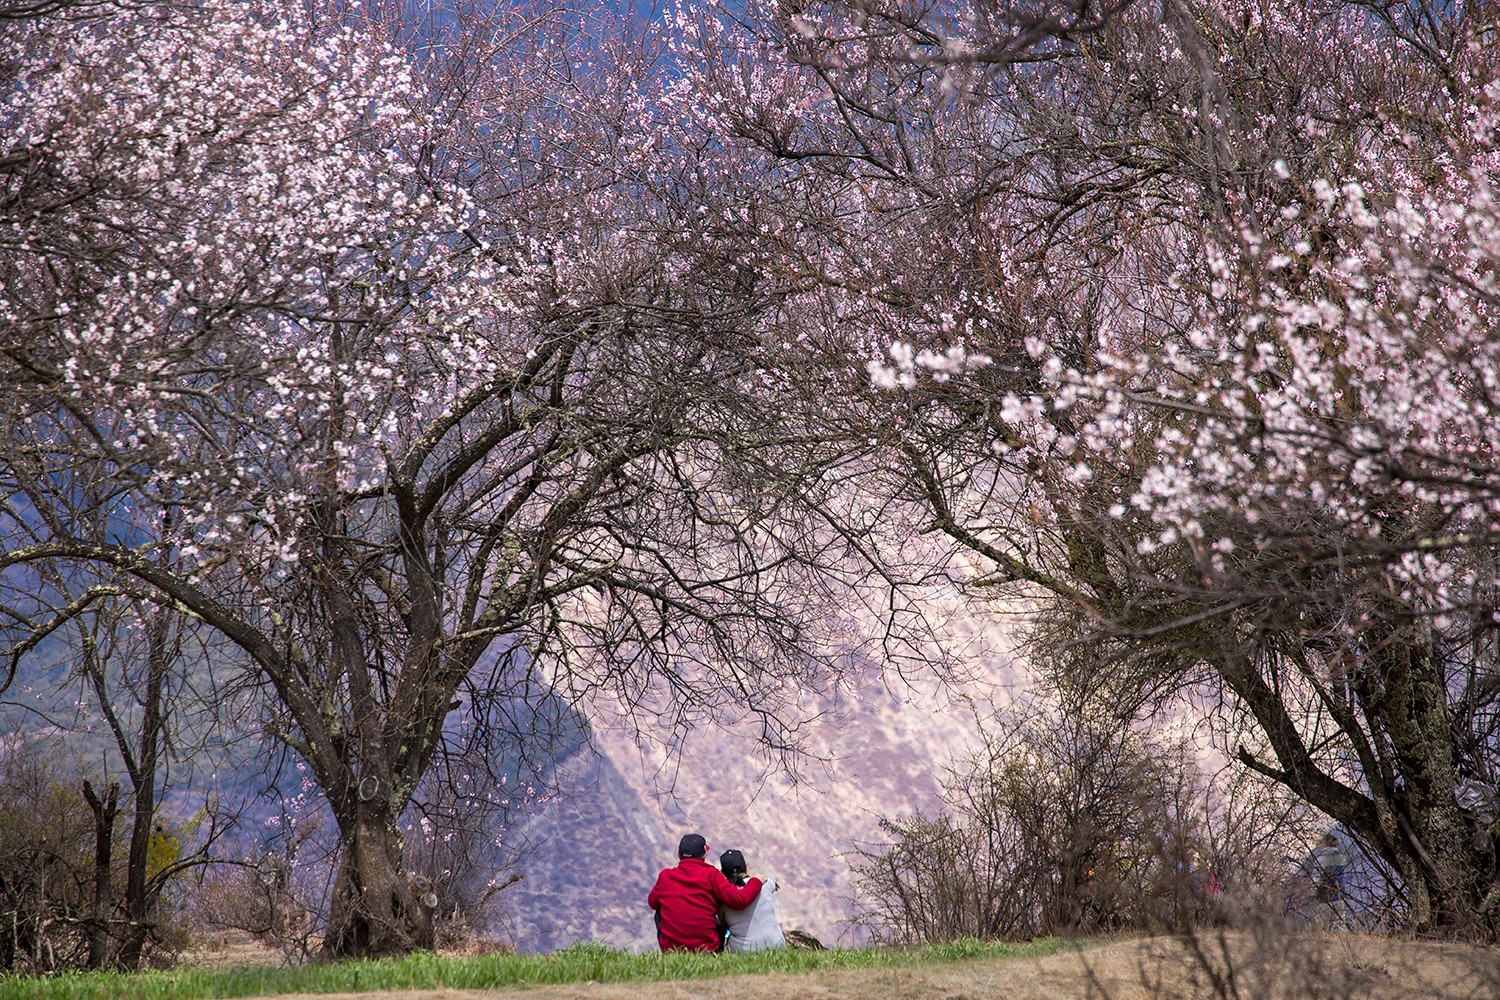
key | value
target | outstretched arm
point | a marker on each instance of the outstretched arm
(736, 897)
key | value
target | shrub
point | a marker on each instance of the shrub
(47, 862)
(1064, 822)
(63, 868)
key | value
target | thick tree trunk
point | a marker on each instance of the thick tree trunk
(375, 911)
(1407, 813)
(1455, 871)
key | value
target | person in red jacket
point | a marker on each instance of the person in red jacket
(686, 899)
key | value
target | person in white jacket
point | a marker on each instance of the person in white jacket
(755, 928)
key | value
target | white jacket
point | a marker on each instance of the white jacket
(755, 927)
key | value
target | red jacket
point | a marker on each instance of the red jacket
(688, 897)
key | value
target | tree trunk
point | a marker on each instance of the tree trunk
(137, 898)
(375, 911)
(1407, 813)
(105, 810)
(139, 892)
(1411, 703)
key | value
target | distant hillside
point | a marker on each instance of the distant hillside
(596, 852)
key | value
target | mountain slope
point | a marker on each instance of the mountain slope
(596, 852)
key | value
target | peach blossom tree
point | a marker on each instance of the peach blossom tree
(1187, 308)
(367, 350)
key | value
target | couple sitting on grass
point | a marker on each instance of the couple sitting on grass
(701, 908)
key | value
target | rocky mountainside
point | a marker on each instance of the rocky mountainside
(596, 852)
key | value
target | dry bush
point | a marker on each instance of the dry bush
(61, 881)
(251, 897)
(46, 863)
(1069, 823)
(279, 897)
(456, 861)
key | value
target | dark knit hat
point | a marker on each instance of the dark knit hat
(692, 845)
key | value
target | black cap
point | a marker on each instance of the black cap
(731, 861)
(692, 846)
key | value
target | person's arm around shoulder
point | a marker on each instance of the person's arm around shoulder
(736, 897)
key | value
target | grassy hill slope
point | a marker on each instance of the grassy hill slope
(1263, 966)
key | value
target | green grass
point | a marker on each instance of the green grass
(577, 964)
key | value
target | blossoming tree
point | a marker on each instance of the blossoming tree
(1191, 307)
(363, 353)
